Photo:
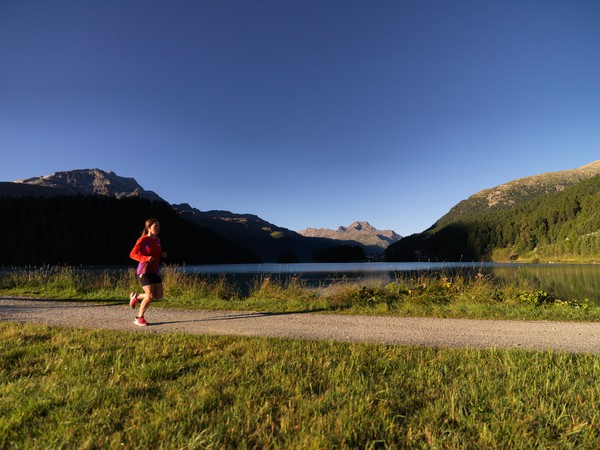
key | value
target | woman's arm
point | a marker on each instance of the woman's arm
(136, 252)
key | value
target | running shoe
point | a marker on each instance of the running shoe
(133, 299)
(140, 322)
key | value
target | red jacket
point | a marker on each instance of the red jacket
(144, 248)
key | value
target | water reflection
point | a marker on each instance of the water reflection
(563, 280)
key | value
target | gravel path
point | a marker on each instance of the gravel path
(573, 337)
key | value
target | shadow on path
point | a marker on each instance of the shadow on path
(239, 316)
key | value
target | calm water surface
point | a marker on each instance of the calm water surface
(563, 280)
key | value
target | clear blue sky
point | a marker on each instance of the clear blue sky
(306, 113)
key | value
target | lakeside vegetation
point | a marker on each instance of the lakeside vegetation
(73, 388)
(432, 294)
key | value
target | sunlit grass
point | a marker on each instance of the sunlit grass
(68, 388)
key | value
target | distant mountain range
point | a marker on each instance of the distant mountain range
(555, 213)
(270, 242)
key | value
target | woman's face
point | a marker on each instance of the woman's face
(154, 229)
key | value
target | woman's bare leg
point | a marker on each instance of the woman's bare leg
(151, 292)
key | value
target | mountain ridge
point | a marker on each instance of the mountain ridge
(91, 182)
(506, 195)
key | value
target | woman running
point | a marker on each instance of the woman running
(147, 251)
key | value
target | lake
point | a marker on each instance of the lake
(563, 280)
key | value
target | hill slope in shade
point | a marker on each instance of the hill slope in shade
(8, 189)
(270, 242)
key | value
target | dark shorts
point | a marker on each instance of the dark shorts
(150, 278)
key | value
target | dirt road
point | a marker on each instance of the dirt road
(573, 337)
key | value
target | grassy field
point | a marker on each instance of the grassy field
(70, 388)
(66, 388)
(433, 295)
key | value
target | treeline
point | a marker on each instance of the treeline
(558, 225)
(340, 253)
(95, 230)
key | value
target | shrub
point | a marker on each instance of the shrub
(537, 298)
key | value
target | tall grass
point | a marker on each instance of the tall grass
(66, 282)
(103, 389)
(430, 294)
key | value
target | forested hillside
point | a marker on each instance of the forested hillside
(562, 225)
(95, 230)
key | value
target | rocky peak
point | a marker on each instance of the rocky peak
(363, 226)
(93, 182)
(360, 232)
